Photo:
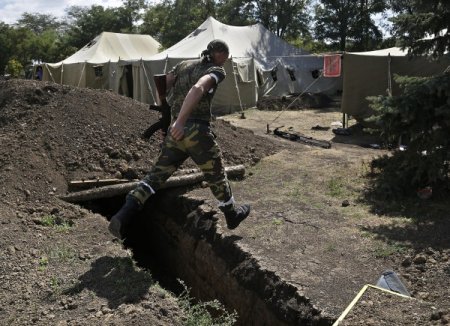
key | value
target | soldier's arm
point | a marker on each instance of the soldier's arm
(193, 97)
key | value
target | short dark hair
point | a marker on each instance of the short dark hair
(217, 46)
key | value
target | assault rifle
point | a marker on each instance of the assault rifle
(164, 108)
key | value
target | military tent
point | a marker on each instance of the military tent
(109, 61)
(371, 73)
(261, 64)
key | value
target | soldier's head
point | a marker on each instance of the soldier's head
(217, 52)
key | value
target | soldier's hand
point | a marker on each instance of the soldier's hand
(177, 130)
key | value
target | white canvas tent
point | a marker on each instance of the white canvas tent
(371, 73)
(254, 52)
(110, 61)
(125, 63)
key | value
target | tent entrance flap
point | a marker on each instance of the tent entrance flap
(126, 81)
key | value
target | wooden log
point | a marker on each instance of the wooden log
(295, 136)
(94, 183)
(237, 171)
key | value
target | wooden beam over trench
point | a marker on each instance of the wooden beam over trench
(109, 191)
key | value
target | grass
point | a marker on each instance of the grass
(385, 250)
(63, 254)
(277, 221)
(55, 285)
(335, 187)
(56, 222)
(57, 254)
(208, 313)
(43, 263)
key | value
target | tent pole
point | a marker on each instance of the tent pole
(389, 75)
(237, 87)
(50, 73)
(165, 64)
(62, 72)
(344, 120)
(81, 75)
(148, 80)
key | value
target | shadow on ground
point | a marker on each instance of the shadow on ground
(115, 279)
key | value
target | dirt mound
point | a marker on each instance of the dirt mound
(52, 134)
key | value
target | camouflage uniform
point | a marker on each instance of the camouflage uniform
(198, 142)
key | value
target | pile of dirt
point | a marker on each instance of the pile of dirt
(51, 134)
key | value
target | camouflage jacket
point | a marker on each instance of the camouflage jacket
(187, 73)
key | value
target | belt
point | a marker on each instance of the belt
(199, 121)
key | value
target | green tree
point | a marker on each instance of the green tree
(236, 12)
(88, 22)
(14, 68)
(6, 45)
(348, 25)
(39, 23)
(421, 115)
(129, 14)
(423, 26)
(170, 21)
(24, 46)
(286, 19)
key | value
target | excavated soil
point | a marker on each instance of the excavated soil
(60, 266)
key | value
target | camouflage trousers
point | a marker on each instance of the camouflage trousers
(199, 144)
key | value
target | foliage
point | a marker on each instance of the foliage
(420, 117)
(171, 20)
(90, 22)
(348, 25)
(43, 38)
(204, 313)
(423, 26)
(39, 23)
(14, 68)
(286, 19)
(6, 44)
(236, 12)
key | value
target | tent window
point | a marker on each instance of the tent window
(91, 43)
(291, 73)
(98, 70)
(315, 73)
(273, 73)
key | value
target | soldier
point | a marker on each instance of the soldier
(193, 84)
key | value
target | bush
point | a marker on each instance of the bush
(420, 118)
(14, 68)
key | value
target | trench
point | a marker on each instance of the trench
(175, 237)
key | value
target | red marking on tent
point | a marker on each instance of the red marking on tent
(332, 65)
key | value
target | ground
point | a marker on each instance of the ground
(311, 221)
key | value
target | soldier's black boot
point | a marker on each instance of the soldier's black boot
(120, 220)
(235, 215)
